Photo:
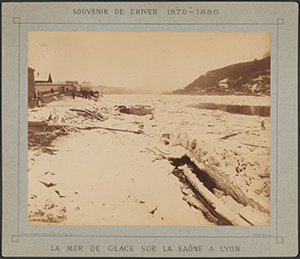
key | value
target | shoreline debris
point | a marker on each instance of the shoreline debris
(139, 110)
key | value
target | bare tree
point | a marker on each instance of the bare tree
(267, 54)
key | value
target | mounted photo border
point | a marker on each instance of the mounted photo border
(278, 239)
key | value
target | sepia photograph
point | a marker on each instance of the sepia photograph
(149, 128)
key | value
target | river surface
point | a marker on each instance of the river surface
(239, 109)
(247, 105)
(189, 100)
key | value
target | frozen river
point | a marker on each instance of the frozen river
(107, 177)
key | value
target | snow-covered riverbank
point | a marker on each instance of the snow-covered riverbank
(107, 177)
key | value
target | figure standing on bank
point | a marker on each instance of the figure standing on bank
(262, 125)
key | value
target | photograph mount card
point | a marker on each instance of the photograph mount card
(149, 129)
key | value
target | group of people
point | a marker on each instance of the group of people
(86, 94)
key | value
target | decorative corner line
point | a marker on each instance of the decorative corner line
(280, 21)
(14, 238)
(16, 20)
(279, 240)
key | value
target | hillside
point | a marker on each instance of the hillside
(242, 78)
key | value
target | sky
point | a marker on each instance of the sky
(152, 61)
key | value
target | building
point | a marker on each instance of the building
(43, 83)
(223, 84)
(73, 85)
(46, 86)
(31, 88)
(86, 85)
(43, 78)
